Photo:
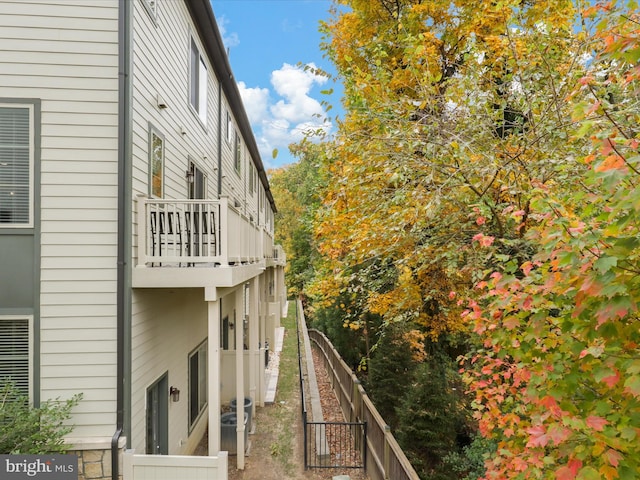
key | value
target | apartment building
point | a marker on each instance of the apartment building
(136, 224)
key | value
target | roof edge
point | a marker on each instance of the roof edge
(205, 22)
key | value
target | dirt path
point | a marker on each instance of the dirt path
(269, 457)
(276, 449)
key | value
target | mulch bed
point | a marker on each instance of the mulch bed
(332, 412)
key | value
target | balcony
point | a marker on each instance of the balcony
(193, 243)
(277, 257)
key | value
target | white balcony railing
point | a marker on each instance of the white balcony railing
(195, 232)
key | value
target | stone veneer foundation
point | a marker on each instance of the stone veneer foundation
(94, 460)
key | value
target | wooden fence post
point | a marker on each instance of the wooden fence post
(387, 451)
(356, 400)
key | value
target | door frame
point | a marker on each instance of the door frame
(157, 416)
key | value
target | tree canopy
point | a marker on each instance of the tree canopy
(482, 193)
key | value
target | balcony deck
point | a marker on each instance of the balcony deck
(199, 243)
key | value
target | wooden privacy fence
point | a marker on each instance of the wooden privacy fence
(384, 458)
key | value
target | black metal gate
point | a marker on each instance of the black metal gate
(335, 444)
(330, 444)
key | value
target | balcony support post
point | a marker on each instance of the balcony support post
(225, 234)
(142, 229)
(240, 316)
(254, 343)
(213, 355)
(261, 329)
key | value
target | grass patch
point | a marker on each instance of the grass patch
(286, 404)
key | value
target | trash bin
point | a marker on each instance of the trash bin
(228, 432)
(248, 407)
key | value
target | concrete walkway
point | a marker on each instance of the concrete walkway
(273, 368)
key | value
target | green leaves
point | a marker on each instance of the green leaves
(605, 263)
(33, 430)
(588, 473)
(632, 384)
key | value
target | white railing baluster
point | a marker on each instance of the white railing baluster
(191, 232)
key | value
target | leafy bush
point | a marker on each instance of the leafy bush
(33, 430)
(391, 369)
(470, 461)
(432, 418)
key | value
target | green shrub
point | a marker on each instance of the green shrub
(432, 417)
(391, 370)
(470, 461)
(26, 429)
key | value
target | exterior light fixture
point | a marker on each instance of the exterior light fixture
(161, 103)
(174, 393)
(190, 174)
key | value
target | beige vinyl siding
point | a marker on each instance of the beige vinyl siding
(65, 53)
(236, 184)
(161, 67)
(161, 59)
(166, 327)
(167, 324)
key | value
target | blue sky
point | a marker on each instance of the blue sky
(267, 40)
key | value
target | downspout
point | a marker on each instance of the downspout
(219, 139)
(124, 42)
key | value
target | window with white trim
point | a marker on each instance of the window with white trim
(197, 382)
(16, 165)
(261, 198)
(156, 163)
(252, 178)
(15, 352)
(198, 83)
(237, 156)
(229, 127)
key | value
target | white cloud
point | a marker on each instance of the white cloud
(229, 39)
(278, 122)
(256, 102)
(289, 26)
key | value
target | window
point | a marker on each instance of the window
(237, 153)
(197, 382)
(252, 178)
(198, 83)
(156, 163)
(158, 417)
(16, 165)
(229, 127)
(224, 333)
(14, 352)
(197, 182)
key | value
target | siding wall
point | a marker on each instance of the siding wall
(65, 52)
(161, 68)
(167, 326)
